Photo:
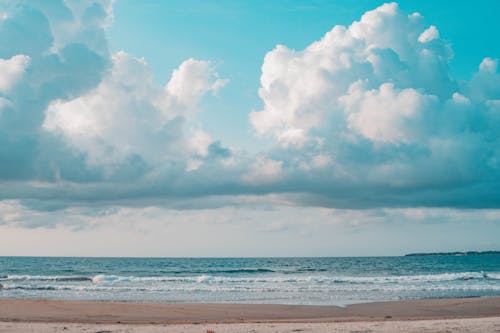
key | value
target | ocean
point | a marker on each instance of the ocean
(312, 281)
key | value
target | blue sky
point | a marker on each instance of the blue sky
(150, 128)
(236, 36)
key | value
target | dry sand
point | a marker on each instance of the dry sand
(438, 315)
(480, 325)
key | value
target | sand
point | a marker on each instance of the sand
(480, 325)
(438, 315)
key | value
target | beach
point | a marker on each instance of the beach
(376, 294)
(432, 315)
(415, 326)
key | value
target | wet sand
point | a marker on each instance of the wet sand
(436, 315)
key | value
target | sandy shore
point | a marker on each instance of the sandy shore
(479, 325)
(25, 310)
(438, 315)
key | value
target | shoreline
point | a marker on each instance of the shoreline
(15, 310)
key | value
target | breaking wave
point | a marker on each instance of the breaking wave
(210, 279)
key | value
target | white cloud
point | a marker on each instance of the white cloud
(292, 137)
(11, 71)
(192, 80)
(127, 115)
(264, 171)
(200, 141)
(193, 164)
(458, 98)
(484, 84)
(84, 22)
(429, 34)
(304, 90)
(388, 115)
(279, 230)
(367, 116)
(378, 98)
(10, 211)
(488, 65)
(321, 161)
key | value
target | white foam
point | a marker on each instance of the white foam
(288, 279)
(494, 276)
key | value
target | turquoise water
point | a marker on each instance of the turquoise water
(333, 281)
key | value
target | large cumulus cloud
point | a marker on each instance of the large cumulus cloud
(37, 65)
(72, 114)
(127, 116)
(376, 104)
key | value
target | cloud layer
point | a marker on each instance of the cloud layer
(276, 227)
(367, 117)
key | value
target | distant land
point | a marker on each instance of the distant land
(468, 253)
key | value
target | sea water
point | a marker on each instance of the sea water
(321, 281)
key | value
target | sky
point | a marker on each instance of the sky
(249, 128)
